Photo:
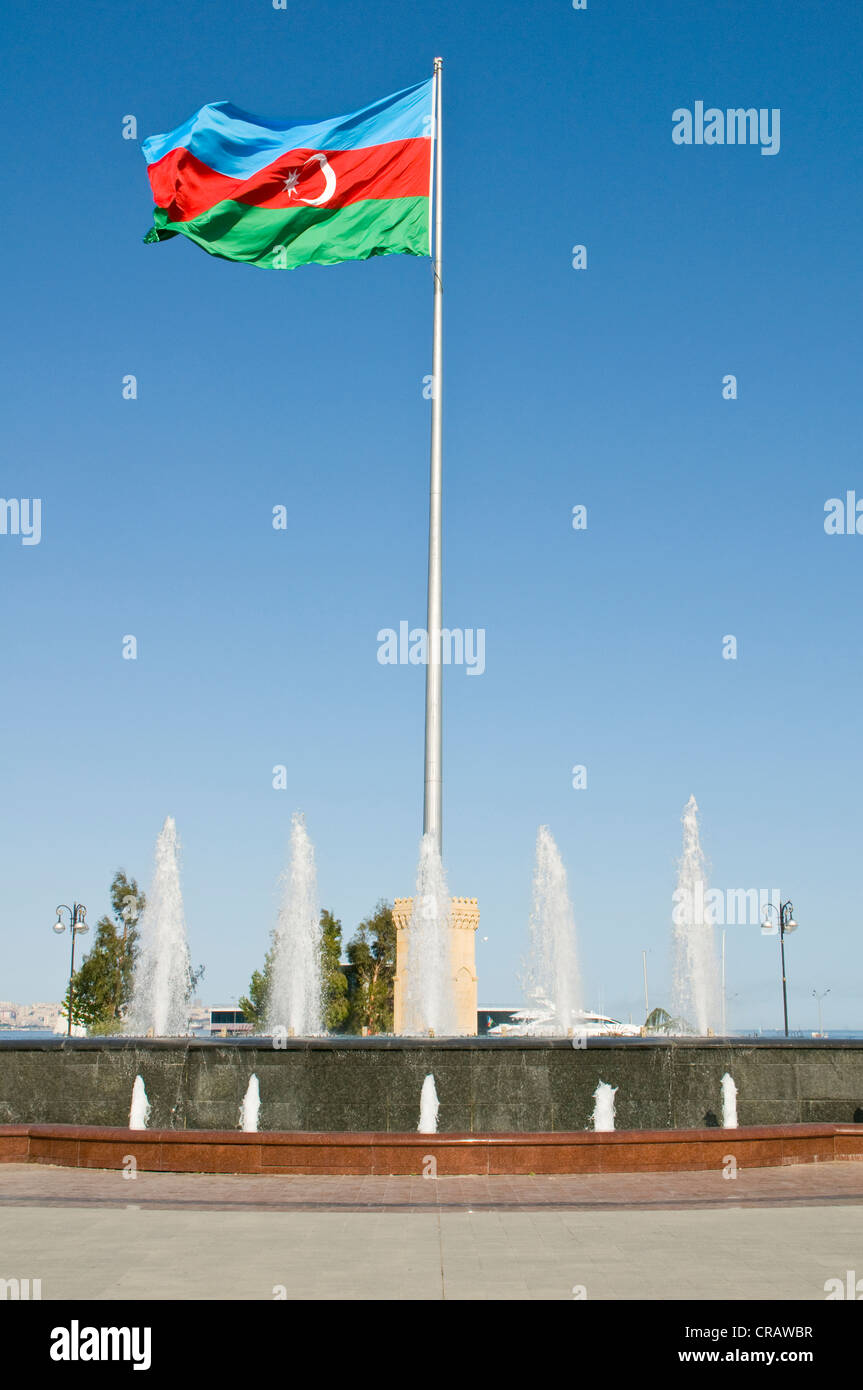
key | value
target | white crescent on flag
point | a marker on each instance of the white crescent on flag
(329, 177)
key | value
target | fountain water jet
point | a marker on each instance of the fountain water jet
(430, 1008)
(429, 1106)
(729, 1103)
(603, 1110)
(553, 977)
(250, 1109)
(163, 967)
(139, 1112)
(295, 1000)
(695, 989)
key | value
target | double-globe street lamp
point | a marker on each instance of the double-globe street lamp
(77, 924)
(786, 923)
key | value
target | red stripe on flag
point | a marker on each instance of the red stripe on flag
(186, 188)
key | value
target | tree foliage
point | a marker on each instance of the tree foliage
(372, 956)
(336, 1005)
(334, 981)
(102, 985)
(254, 1004)
(660, 1021)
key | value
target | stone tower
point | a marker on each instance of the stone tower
(464, 920)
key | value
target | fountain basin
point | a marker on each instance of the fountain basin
(230, 1151)
(485, 1086)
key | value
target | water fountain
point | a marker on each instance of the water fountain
(502, 1094)
(696, 985)
(163, 967)
(295, 1003)
(603, 1110)
(430, 999)
(429, 1106)
(139, 1113)
(553, 978)
(729, 1103)
(250, 1110)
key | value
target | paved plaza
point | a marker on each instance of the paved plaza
(773, 1233)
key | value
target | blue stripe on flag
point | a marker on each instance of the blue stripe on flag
(232, 142)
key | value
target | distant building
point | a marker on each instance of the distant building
(39, 1015)
(227, 1021)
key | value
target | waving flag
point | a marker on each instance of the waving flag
(281, 195)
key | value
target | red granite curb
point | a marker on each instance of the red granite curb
(361, 1154)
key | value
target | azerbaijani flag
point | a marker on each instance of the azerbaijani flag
(281, 195)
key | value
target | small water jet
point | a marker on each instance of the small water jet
(250, 1109)
(429, 1106)
(553, 978)
(430, 996)
(139, 1113)
(295, 1002)
(603, 1110)
(729, 1103)
(163, 972)
(695, 989)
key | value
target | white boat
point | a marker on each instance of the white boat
(542, 1022)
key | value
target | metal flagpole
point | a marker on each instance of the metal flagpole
(432, 802)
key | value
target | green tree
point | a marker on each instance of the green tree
(254, 1004)
(372, 956)
(660, 1021)
(102, 986)
(334, 981)
(336, 1005)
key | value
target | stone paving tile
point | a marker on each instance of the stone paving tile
(774, 1233)
(109, 1252)
(808, 1184)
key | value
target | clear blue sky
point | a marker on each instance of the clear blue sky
(600, 387)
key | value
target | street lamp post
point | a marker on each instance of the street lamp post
(786, 923)
(724, 996)
(77, 924)
(819, 997)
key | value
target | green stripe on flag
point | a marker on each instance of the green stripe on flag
(281, 238)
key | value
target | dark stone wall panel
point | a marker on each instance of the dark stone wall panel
(484, 1086)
